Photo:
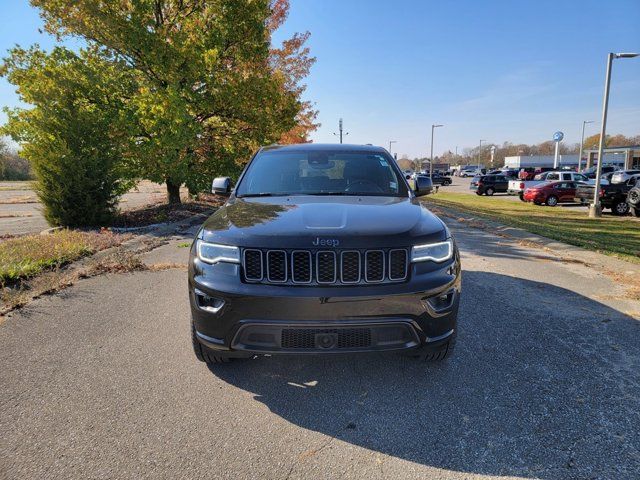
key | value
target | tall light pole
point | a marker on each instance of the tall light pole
(340, 130)
(584, 122)
(390, 142)
(479, 150)
(595, 210)
(433, 127)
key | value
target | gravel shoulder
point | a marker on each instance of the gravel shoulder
(99, 381)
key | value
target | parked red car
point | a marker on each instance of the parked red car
(528, 173)
(551, 193)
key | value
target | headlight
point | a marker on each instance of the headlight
(214, 253)
(437, 252)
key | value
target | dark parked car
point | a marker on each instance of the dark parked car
(606, 169)
(489, 184)
(613, 196)
(439, 179)
(511, 174)
(323, 249)
(551, 193)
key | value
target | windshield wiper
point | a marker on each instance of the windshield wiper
(329, 193)
(262, 194)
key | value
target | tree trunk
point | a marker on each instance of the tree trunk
(173, 192)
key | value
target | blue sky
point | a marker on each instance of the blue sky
(497, 70)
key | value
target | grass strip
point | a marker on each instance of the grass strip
(27, 256)
(617, 236)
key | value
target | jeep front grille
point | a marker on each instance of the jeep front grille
(325, 267)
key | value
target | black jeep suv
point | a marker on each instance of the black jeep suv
(323, 249)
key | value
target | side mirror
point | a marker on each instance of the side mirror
(221, 186)
(424, 186)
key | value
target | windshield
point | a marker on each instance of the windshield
(321, 173)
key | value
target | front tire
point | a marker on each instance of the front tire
(438, 354)
(521, 197)
(551, 201)
(633, 198)
(489, 192)
(620, 208)
(203, 353)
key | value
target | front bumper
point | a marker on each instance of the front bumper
(528, 197)
(259, 319)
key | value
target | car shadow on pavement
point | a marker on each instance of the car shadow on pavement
(547, 390)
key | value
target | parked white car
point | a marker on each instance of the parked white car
(621, 176)
(470, 173)
(517, 187)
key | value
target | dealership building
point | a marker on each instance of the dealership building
(624, 157)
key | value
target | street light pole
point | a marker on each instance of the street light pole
(595, 210)
(390, 142)
(584, 122)
(433, 127)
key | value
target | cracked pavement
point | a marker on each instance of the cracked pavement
(99, 381)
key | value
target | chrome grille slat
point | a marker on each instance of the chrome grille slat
(252, 262)
(277, 266)
(398, 259)
(374, 271)
(347, 268)
(301, 266)
(325, 267)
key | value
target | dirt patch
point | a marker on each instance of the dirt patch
(629, 282)
(164, 213)
(15, 215)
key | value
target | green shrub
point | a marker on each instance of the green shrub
(73, 136)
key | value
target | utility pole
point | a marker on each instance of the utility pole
(390, 142)
(582, 144)
(479, 150)
(340, 130)
(434, 126)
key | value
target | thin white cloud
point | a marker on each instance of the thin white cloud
(508, 91)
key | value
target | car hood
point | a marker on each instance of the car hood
(317, 222)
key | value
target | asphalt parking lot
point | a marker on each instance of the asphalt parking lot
(21, 212)
(100, 382)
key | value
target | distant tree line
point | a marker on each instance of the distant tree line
(173, 91)
(12, 165)
(469, 156)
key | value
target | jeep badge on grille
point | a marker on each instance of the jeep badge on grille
(326, 242)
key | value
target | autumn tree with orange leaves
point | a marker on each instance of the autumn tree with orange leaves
(294, 60)
(191, 88)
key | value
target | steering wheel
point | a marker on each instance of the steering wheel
(367, 187)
